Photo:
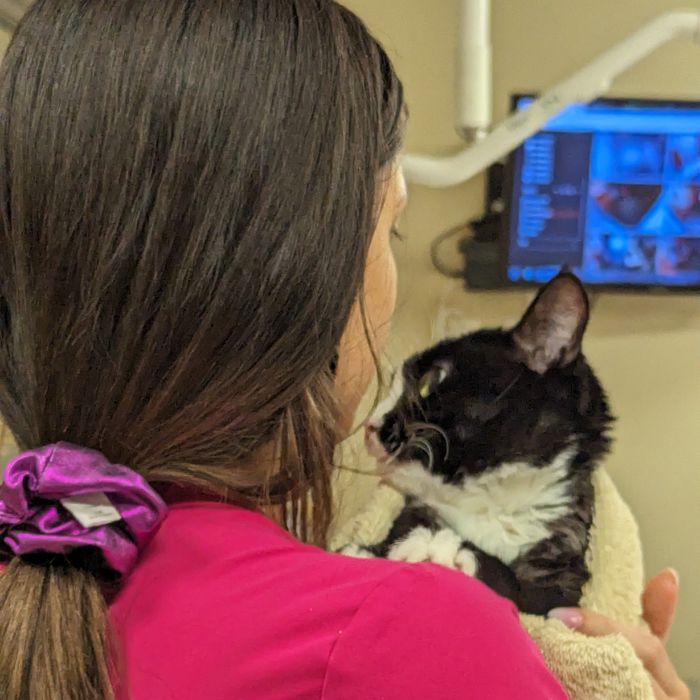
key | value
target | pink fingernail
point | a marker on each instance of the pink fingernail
(571, 617)
(675, 575)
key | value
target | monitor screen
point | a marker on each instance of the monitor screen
(610, 190)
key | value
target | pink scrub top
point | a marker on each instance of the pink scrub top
(225, 605)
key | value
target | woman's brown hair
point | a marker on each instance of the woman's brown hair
(187, 195)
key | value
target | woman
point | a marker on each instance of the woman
(196, 208)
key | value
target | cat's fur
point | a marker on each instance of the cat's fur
(493, 437)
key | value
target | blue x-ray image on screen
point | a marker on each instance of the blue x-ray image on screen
(610, 190)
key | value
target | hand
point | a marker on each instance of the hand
(659, 603)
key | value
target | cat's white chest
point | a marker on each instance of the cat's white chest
(503, 512)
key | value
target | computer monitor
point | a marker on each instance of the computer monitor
(609, 190)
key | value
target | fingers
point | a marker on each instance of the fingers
(659, 602)
(648, 647)
(659, 693)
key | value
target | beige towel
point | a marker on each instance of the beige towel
(589, 668)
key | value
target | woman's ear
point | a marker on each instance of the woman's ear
(550, 333)
(334, 364)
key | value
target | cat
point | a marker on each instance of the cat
(493, 438)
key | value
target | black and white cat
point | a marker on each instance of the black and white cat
(494, 437)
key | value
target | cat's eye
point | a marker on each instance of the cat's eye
(431, 380)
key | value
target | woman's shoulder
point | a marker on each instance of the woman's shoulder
(427, 631)
(204, 544)
(200, 536)
(320, 624)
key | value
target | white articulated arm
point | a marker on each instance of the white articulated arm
(473, 87)
(583, 86)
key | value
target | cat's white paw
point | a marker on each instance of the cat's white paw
(444, 547)
(413, 548)
(357, 551)
(466, 562)
(421, 544)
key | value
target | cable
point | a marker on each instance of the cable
(440, 266)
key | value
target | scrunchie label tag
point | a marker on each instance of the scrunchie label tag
(91, 509)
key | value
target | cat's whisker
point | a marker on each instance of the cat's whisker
(422, 449)
(355, 470)
(510, 386)
(441, 432)
(391, 458)
(418, 426)
(425, 447)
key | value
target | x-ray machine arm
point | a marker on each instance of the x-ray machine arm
(474, 92)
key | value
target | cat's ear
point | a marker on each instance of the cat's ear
(550, 333)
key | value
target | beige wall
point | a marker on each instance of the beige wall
(647, 349)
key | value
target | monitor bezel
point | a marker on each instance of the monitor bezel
(508, 193)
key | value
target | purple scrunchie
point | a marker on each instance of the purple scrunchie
(119, 510)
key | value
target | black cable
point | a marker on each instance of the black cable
(440, 266)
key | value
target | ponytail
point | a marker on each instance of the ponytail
(53, 634)
(72, 523)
